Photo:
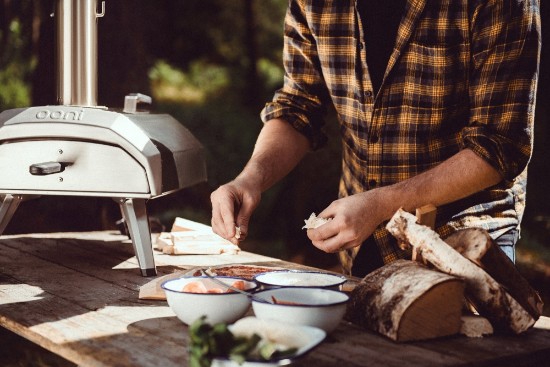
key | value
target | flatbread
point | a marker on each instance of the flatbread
(236, 270)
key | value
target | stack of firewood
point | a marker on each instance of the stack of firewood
(463, 284)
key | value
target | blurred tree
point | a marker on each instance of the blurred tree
(19, 27)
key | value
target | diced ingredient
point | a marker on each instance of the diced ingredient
(239, 284)
(199, 287)
(216, 290)
(195, 287)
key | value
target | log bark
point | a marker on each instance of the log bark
(477, 245)
(489, 298)
(407, 301)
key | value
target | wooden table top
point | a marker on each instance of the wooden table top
(76, 294)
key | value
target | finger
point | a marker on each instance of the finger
(327, 230)
(329, 245)
(223, 218)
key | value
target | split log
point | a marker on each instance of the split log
(425, 215)
(489, 298)
(475, 326)
(477, 245)
(407, 301)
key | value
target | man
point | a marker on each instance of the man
(447, 121)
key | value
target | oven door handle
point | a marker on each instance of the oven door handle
(47, 168)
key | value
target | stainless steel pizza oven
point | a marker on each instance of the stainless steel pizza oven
(78, 148)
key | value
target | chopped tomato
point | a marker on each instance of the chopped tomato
(195, 287)
(215, 290)
(239, 284)
(199, 287)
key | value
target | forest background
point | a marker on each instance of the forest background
(212, 64)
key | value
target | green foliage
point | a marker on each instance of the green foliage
(209, 341)
(14, 91)
(202, 81)
(272, 73)
(15, 67)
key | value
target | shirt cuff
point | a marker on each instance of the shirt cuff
(509, 157)
(297, 120)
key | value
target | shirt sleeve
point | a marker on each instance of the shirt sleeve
(505, 48)
(302, 98)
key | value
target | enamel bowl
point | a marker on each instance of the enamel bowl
(317, 307)
(217, 307)
(300, 278)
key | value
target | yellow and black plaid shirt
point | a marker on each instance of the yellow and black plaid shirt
(462, 74)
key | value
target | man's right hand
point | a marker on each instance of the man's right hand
(277, 151)
(232, 206)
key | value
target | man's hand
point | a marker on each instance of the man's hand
(278, 150)
(232, 206)
(354, 218)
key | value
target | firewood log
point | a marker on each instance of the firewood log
(477, 245)
(475, 326)
(407, 301)
(489, 298)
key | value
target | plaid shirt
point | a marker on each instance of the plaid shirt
(462, 74)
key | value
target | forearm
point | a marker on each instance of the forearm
(460, 176)
(279, 148)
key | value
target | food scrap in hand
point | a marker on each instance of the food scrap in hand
(314, 221)
(199, 287)
(238, 232)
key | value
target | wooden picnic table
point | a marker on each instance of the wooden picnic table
(76, 295)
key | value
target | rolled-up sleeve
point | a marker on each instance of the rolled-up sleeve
(506, 43)
(302, 98)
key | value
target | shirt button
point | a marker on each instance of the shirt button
(368, 93)
(374, 138)
(372, 183)
(361, 46)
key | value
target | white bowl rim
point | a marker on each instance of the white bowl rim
(342, 278)
(199, 277)
(335, 303)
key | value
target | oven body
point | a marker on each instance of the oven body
(88, 151)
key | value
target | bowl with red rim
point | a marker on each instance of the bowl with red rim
(193, 297)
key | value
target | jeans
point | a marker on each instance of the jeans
(507, 243)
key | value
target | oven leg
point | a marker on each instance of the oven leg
(135, 215)
(9, 205)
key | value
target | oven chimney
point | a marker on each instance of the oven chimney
(76, 49)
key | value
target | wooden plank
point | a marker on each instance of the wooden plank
(77, 296)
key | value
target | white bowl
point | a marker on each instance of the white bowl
(217, 307)
(321, 308)
(300, 278)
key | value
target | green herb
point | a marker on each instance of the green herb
(210, 341)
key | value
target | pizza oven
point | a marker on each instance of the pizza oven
(77, 148)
